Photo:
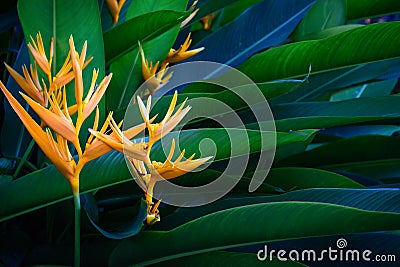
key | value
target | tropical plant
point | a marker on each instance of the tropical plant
(328, 70)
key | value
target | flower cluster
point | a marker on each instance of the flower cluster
(156, 75)
(57, 130)
(48, 100)
(148, 172)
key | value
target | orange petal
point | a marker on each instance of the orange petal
(59, 123)
(96, 97)
(78, 74)
(42, 62)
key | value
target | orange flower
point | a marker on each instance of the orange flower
(182, 53)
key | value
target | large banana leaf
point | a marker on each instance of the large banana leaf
(274, 21)
(257, 223)
(357, 9)
(366, 199)
(358, 46)
(322, 15)
(355, 149)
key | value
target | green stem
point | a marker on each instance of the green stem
(77, 206)
(23, 159)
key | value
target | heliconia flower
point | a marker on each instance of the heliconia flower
(51, 148)
(38, 53)
(158, 130)
(155, 79)
(120, 140)
(182, 53)
(207, 21)
(115, 7)
(171, 169)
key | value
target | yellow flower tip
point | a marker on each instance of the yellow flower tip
(93, 98)
(182, 53)
(207, 21)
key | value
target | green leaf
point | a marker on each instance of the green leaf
(124, 37)
(257, 223)
(318, 115)
(228, 258)
(327, 82)
(322, 15)
(315, 122)
(357, 10)
(385, 170)
(207, 7)
(329, 32)
(381, 88)
(303, 178)
(382, 200)
(141, 7)
(228, 142)
(357, 130)
(358, 46)
(372, 106)
(233, 43)
(231, 12)
(356, 149)
(209, 175)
